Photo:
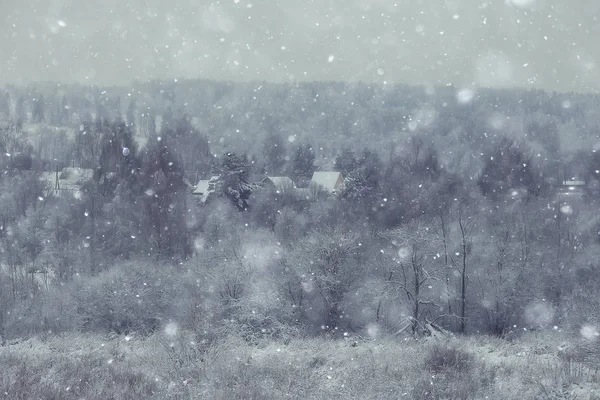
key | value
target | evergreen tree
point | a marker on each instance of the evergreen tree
(55, 115)
(234, 181)
(37, 110)
(131, 110)
(191, 147)
(4, 105)
(362, 176)
(346, 162)
(118, 150)
(304, 161)
(274, 153)
(101, 111)
(151, 123)
(163, 197)
(147, 126)
(168, 119)
(593, 166)
(506, 168)
(20, 115)
(117, 115)
(65, 115)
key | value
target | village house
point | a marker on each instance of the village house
(330, 181)
(572, 186)
(278, 183)
(203, 188)
(68, 181)
(323, 183)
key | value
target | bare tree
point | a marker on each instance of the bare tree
(329, 264)
(444, 233)
(466, 221)
(505, 280)
(466, 225)
(417, 268)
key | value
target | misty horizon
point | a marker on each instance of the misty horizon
(428, 89)
(513, 43)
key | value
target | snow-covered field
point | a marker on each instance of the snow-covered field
(177, 364)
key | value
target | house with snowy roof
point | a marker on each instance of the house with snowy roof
(572, 186)
(330, 181)
(74, 178)
(204, 188)
(67, 181)
(278, 183)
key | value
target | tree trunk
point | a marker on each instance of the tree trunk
(463, 278)
(445, 241)
(558, 291)
(417, 283)
(93, 267)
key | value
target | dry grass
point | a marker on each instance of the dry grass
(182, 367)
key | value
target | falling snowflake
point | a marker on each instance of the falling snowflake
(566, 209)
(465, 96)
(403, 252)
(171, 329)
(589, 332)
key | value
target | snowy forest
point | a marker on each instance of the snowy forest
(464, 215)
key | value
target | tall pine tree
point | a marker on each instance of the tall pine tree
(274, 153)
(304, 162)
(234, 181)
(37, 110)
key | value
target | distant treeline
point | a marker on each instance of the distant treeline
(449, 213)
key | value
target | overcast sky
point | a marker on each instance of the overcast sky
(551, 44)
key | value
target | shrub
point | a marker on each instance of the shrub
(47, 312)
(28, 374)
(456, 375)
(132, 297)
(443, 359)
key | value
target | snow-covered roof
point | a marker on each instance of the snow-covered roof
(279, 181)
(329, 180)
(574, 183)
(72, 178)
(203, 188)
(69, 179)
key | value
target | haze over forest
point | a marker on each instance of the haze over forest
(324, 199)
(546, 44)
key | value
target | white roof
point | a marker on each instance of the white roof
(203, 188)
(73, 178)
(280, 181)
(68, 178)
(76, 174)
(328, 179)
(574, 183)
